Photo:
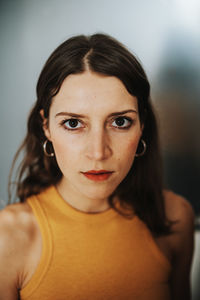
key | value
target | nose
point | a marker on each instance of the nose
(98, 146)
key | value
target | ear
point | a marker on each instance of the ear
(45, 125)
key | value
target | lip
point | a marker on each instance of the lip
(97, 175)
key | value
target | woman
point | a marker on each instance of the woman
(94, 221)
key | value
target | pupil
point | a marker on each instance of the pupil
(120, 121)
(73, 123)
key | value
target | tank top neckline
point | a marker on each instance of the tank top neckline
(60, 203)
(103, 217)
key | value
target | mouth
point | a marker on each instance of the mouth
(97, 175)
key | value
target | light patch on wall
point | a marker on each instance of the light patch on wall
(187, 14)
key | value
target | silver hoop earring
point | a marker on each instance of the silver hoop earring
(144, 149)
(45, 149)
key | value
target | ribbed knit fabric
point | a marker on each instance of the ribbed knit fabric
(94, 256)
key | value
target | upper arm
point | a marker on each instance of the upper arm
(8, 263)
(16, 227)
(182, 244)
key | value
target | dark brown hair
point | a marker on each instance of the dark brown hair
(142, 188)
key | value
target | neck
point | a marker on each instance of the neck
(80, 201)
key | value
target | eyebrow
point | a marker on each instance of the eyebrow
(118, 113)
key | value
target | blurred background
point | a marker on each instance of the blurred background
(164, 35)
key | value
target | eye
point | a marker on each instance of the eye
(122, 122)
(72, 124)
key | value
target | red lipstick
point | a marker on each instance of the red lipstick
(97, 175)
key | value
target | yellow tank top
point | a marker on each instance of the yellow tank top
(94, 256)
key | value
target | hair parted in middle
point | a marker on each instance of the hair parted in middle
(100, 53)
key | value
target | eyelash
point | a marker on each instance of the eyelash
(130, 121)
(71, 119)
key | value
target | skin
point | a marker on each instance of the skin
(93, 145)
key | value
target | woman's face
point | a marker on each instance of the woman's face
(94, 126)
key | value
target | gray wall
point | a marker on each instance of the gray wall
(164, 34)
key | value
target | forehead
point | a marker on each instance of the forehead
(91, 91)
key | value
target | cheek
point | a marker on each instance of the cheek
(129, 143)
(66, 151)
(126, 156)
(127, 152)
(64, 143)
(130, 147)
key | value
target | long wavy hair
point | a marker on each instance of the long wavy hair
(142, 189)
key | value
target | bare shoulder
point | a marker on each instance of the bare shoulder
(17, 228)
(16, 221)
(181, 243)
(16, 210)
(179, 210)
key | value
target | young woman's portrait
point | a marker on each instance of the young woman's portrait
(94, 220)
